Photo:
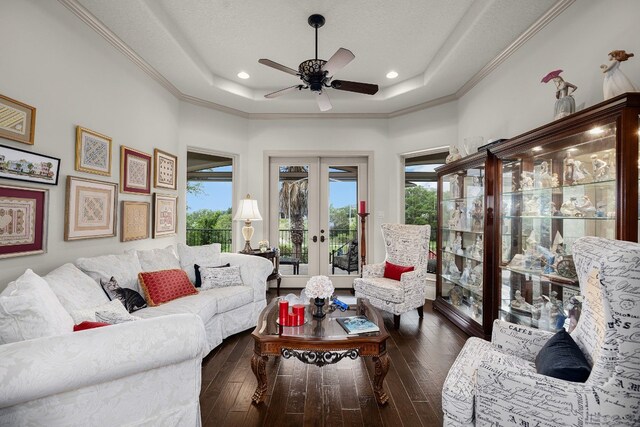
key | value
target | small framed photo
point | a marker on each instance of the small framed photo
(90, 209)
(23, 221)
(165, 215)
(17, 120)
(28, 166)
(135, 171)
(166, 170)
(134, 221)
(93, 152)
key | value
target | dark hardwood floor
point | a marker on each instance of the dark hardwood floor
(335, 395)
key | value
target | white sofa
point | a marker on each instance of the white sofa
(146, 372)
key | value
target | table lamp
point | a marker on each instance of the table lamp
(247, 212)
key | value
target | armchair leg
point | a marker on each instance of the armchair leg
(396, 321)
(421, 311)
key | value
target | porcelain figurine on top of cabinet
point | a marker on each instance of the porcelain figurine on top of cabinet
(565, 104)
(615, 81)
(454, 154)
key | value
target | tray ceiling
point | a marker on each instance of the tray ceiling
(196, 48)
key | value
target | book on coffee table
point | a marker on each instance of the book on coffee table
(357, 325)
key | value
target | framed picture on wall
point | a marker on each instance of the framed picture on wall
(166, 169)
(165, 215)
(135, 171)
(17, 120)
(90, 209)
(134, 221)
(93, 152)
(23, 221)
(28, 166)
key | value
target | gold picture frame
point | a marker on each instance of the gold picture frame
(165, 215)
(93, 152)
(134, 221)
(165, 166)
(17, 120)
(90, 209)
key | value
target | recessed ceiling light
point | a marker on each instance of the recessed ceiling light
(392, 75)
(243, 75)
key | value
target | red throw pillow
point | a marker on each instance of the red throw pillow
(165, 285)
(88, 325)
(392, 271)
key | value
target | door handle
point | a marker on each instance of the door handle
(314, 238)
(322, 239)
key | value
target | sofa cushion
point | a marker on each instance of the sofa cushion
(157, 259)
(196, 267)
(208, 255)
(124, 268)
(29, 309)
(111, 312)
(381, 288)
(394, 271)
(165, 285)
(74, 289)
(561, 358)
(202, 304)
(131, 299)
(231, 297)
(213, 277)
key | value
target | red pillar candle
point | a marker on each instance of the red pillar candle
(363, 206)
(284, 313)
(292, 319)
(298, 311)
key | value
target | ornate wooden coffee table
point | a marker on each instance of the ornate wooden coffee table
(320, 343)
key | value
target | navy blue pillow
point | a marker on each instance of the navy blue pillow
(562, 358)
(199, 278)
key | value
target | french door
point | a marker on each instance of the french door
(313, 204)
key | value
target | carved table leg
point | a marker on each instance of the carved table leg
(258, 366)
(382, 367)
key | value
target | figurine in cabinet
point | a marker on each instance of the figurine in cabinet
(574, 307)
(586, 208)
(456, 217)
(454, 154)
(456, 296)
(545, 179)
(600, 169)
(519, 303)
(532, 206)
(476, 276)
(454, 271)
(457, 244)
(466, 273)
(454, 184)
(551, 210)
(526, 181)
(477, 215)
(569, 208)
(601, 211)
(478, 248)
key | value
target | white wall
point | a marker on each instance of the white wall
(512, 100)
(54, 62)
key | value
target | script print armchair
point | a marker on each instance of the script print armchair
(406, 245)
(496, 383)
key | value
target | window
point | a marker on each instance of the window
(209, 200)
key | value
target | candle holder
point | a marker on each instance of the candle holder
(363, 239)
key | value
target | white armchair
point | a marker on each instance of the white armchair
(406, 245)
(497, 384)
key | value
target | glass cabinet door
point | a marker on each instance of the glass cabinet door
(551, 196)
(462, 248)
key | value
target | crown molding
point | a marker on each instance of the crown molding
(542, 22)
(88, 18)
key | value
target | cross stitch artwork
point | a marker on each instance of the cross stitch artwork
(22, 221)
(90, 209)
(17, 120)
(93, 152)
(165, 169)
(135, 171)
(164, 215)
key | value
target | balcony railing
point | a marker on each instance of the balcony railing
(337, 238)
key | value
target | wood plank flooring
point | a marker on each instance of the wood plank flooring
(421, 354)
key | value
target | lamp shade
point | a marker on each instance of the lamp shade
(248, 210)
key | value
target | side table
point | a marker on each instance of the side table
(274, 257)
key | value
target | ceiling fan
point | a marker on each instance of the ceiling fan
(317, 74)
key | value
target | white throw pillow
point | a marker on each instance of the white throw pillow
(112, 312)
(201, 255)
(157, 259)
(124, 268)
(220, 277)
(29, 309)
(74, 289)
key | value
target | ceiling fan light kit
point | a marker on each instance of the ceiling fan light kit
(317, 74)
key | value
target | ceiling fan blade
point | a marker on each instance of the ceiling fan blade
(323, 101)
(339, 59)
(282, 91)
(270, 63)
(366, 88)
